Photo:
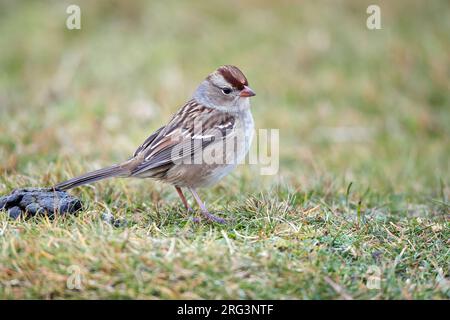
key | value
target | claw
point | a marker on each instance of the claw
(196, 220)
(213, 218)
(204, 210)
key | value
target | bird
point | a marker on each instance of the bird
(202, 142)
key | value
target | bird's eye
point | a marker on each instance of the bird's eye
(226, 90)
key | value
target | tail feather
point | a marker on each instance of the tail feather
(109, 172)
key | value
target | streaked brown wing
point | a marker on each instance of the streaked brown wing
(185, 133)
(147, 142)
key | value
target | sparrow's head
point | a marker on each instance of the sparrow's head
(226, 89)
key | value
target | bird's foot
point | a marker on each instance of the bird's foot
(213, 218)
(208, 216)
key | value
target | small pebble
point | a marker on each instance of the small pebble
(376, 255)
(107, 217)
(116, 223)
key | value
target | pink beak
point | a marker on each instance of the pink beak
(247, 92)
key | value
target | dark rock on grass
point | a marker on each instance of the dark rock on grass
(7, 201)
(14, 212)
(33, 201)
(116, 223)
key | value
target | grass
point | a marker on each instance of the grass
(362, 193)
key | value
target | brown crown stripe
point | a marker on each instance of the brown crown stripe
(234, 76)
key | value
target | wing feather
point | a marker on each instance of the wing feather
(183, 133)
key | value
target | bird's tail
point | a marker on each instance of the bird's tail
(109, 172)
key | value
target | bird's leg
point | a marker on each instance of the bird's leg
(186, 204)
(183, 199)
(205, 212)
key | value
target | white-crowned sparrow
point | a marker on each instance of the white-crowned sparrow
(218, 116)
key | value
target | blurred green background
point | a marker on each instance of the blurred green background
(370, 107)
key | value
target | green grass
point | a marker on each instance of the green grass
(363, 187)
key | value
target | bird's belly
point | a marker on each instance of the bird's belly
(216, 160)
(197, 175)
